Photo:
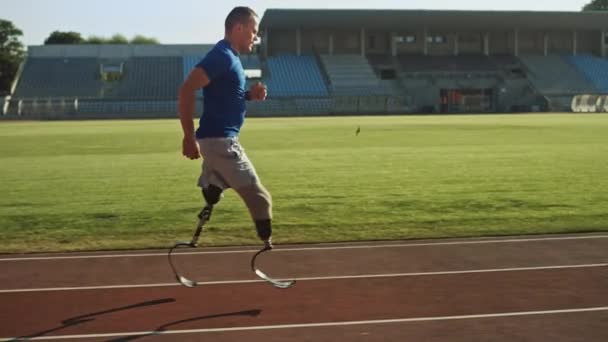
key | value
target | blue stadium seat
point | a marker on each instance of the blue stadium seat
(60, 77)
(143, 77)
(553, 75)
(294, 76)
(595, 69)
(150, 77)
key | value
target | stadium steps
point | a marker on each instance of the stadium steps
(352, 75)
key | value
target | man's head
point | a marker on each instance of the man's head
(242, 29)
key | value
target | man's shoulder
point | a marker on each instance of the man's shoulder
(220, 50)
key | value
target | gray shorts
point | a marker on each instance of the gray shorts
(225, 164)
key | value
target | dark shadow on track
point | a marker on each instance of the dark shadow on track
(91, 316)
(164, 327)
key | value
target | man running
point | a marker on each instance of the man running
(225, 164)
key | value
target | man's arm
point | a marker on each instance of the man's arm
(186, 103)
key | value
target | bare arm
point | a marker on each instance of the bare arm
(196, 80)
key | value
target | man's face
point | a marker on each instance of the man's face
(248, 35)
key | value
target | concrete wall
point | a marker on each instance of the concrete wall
(531, 43)
(470, 43)
(560, 42)
(281, 41)
(440, 49)
(378, 42)
(589, 42)
(347, 42)
(315, 40)
(501, 42)
(415, 48)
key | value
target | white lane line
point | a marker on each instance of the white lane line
(319, 325)
(299, 249)
(362, 276)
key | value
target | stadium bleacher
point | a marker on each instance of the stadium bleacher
(143, 77)
(595, 69)
(189, 62)
(57, 77)
(149, 77)
(292, 76)
(297, 86)
(351, 69)
(250, 62)
(552, 75)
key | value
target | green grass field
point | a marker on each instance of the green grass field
(83, 185)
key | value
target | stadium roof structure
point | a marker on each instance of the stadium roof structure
(436, 19)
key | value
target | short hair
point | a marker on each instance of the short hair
(239, 15)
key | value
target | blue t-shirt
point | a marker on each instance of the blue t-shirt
(224, 96)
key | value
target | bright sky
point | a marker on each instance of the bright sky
(201, 22)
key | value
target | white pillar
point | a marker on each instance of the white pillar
(603, 43)
(516, 43)
(298, 42)
(363, 41)
(456, 51)
(426, 44)
(486, 44)
(393, 45)
(545, 44)
(574, 42)
(331, 44)
(265, 42)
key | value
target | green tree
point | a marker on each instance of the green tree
(11, 54)
(139, 39)
(96, 40)
(121, 39)
(118, 39)
(59, 37)
(596, 5)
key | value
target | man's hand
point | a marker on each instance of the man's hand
(190, 148)
(258, 92)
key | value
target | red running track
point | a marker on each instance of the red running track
(522, 288)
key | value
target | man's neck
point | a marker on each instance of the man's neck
(232, 45)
